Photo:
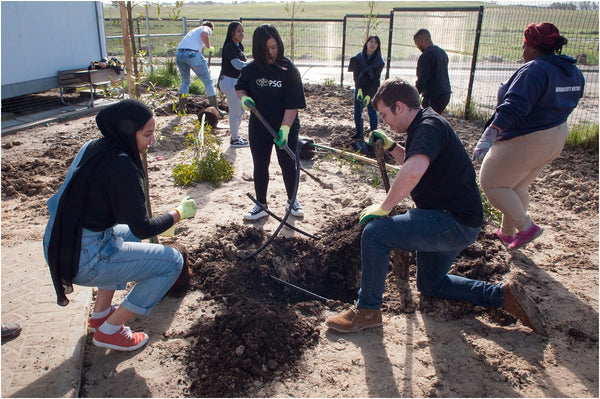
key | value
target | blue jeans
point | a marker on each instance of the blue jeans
(437, 238)
(110, 259)
(358, 116)
(188, 59)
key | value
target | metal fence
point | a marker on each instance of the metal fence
(484, 46)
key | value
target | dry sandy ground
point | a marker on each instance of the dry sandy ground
(426, 353)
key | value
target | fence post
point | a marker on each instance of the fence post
(148, 40)
(473, 63)
(343, 50)
(184, 20)
(389, 55)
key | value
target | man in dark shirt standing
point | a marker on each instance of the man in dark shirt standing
(433, 82)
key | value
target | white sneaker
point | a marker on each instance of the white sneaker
(239, 142)
(297, 210)
(256, 213)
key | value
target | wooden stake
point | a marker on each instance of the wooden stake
(399, 258)
(127, 48)
(132, 94)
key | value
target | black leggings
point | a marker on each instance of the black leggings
(261, 147)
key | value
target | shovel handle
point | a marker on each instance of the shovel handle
(270, 129)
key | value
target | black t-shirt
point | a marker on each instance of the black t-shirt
(432, 73)
(273, 91)
(230, 52)
(449, 182)
(116, 195)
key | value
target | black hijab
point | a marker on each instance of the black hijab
(118, 124)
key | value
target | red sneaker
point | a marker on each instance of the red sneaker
(93, 324)
(122, 340)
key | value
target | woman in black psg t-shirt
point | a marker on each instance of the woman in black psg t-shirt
(272, 84)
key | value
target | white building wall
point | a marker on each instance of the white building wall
(39, 38)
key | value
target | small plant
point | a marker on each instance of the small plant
(490, 214)
(585, 135)
(329, 82)
(204, 161)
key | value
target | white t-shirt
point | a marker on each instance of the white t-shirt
(193, 39)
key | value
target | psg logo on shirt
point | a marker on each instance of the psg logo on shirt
(263, 82)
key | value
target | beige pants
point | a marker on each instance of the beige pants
(511, 166)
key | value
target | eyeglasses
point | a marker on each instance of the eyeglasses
(383, 114)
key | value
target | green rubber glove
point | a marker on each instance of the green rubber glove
(378, 134)
(359, 96)
(186, 208)
(284, 131)
(371, 212)
(246, 101)
(211, 50)
(367, 100)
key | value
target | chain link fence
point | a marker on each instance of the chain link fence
(483, 44)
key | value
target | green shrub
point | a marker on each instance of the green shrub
(206, 162)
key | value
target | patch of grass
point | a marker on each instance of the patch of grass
(167, 76)
(476, 113)
(584, 135)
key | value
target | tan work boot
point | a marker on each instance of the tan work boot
(355, 319)
(520, 305)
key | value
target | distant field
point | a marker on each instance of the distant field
(317, 9)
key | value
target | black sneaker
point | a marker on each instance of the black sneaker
(256, 213)
(10, 330)
(239, 142)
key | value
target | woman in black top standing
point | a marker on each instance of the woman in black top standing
(366, 67)
(233, 60)
(272, 84)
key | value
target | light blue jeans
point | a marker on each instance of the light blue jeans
(188, 59)
(437, 238)
(110, 259)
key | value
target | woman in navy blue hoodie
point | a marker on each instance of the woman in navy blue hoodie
(366, 67)
(528, 129)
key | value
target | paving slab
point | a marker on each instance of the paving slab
(45, 360)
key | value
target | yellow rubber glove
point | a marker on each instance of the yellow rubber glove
(247, 100)
(371, 212)
(378, 134)
(186, 208)
(170, 232)
(284, 131)
(367, 100)
(211, 50)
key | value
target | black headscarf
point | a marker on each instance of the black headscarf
(118, 124)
